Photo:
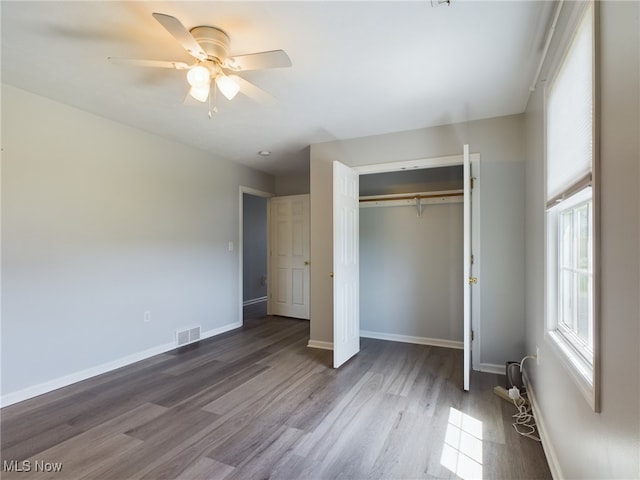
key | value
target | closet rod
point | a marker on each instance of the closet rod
(411, 197)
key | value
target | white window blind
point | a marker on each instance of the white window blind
(570, 117)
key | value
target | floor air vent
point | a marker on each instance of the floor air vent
(188, 336)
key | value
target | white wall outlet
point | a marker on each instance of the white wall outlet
(147, 316)
(537, 355)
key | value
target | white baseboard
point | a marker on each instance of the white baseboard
(321, 345)
(254, 301)
(549, 451)
(56, 383)
(435, 342)
(225, 328)
(493, 368)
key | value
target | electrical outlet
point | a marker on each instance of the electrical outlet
(147, 316)
(537, 355)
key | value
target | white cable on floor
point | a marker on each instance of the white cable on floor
(525, 423)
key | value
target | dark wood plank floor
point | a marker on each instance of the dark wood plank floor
(254, 310)
(258, 403)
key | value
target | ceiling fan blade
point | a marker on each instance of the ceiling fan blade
(254, 92)
(259, 61)
(181, 34)
(149, 63)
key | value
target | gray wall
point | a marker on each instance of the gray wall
(295, 184)
(580, 443)
(412, 181)
(102, 222)
(254, 247)
(500, 141)
(411, 271)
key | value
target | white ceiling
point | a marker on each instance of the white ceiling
(359, 68)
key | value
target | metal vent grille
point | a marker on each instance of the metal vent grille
(194, 334)
(182, 337)
(188, 335)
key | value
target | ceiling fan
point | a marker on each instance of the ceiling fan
(213, 68)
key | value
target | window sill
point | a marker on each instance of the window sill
(582, 374)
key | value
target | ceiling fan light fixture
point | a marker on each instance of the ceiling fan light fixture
(200, 93)
(209, 46)
(227, 86)
(199, 76)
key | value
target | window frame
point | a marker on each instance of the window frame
(585, 374)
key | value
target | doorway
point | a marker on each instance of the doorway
(411, 239)
(253, 256)
(470, 164)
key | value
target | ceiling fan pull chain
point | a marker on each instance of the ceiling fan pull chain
(215, 100)
(209, 103)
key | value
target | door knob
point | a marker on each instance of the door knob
(306, 262)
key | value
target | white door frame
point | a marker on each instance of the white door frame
(257, 193)
(445, 161)
(466, 262)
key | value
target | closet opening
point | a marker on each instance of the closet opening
(411, 262)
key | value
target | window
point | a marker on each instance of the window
(575, 274)
(571, 155)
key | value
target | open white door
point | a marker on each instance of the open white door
(346, 265)
(289, 256)
(468, 280)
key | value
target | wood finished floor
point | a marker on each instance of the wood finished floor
(257, 403)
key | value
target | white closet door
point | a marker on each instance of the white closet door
(346, 266)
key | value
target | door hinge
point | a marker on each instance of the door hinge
(473, 280)
(473, 335)
(473, 182)
(472, 259)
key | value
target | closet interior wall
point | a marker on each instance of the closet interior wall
(411, 259)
